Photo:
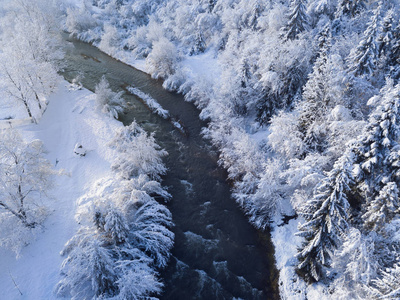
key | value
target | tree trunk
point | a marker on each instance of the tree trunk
(28, 110)
(23, 218)
(38, 101)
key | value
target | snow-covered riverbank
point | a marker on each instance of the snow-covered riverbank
(72, 117)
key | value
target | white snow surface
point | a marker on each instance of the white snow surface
(203, 65)
(72, 117)
(290, 287)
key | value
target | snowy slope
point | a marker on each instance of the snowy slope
(71, 117)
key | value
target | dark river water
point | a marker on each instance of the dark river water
(217, 253)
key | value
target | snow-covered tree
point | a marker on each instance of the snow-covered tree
(317, 97)
(394, 59)
(388, 285)
(383, 208)
(257, 7)
(363, 58)
(376, 146)
(125, 238)
(298, 19)
(200, 45)
(322, 7)
(110, 40)
(385, 36)
(163, 59)
(150, 233)
(285, 137)
(350, 7)
(356, 264)
(109, 101)
(361, 266)
(326, 216)
(80, 22)
(269, 196)
(137, 279)
(115, 224)
(89, 270)
(31, 51)
(138, 153)
(25, 176)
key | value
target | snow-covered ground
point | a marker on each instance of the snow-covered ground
(11, 111)
(290, 286)
(72, 117)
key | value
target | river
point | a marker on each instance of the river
(217, 253)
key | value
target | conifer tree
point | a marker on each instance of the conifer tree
(211, 5)
(394, 58)
(298, 19)
(200, 45)
(383, 208)
(388, 286)
(150, 231)
(377, 160)
(316, 96)
(350, 7)
(326, 7)
(377, 145)
(137, 279)
(385, 36)
(363, 58)
(326, 220)
(256, 11)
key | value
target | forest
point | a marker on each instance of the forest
(302, 103)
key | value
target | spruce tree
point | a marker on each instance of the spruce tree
(316, 96)
(256, 11)
(211, 5)
(298, 19)
(383, 208)
(385, 36)
(388, 285)
(378, 143)
(394, 58)
(199, 44)
(88, 271)
(350, 7)
(363, 58)
(377, 160)
(326, 220)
